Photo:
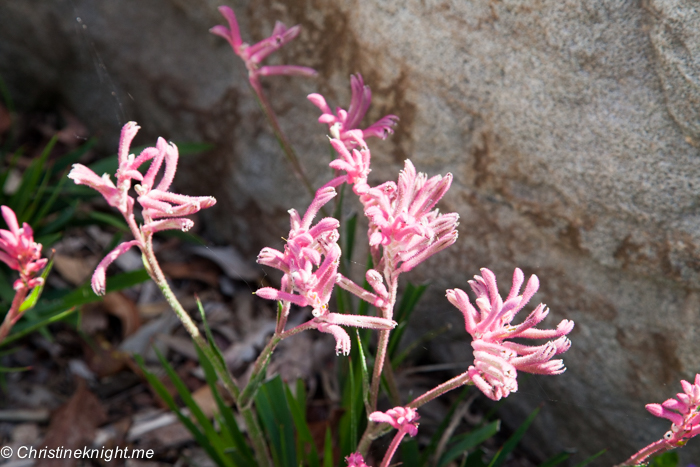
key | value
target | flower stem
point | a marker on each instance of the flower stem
(257, 438)
(254, 383)
(383, 345)
(437, 391)
(392, 448)
(13, 314)
(262, 454)
(281, 138)
(653, 448)
(376, 430)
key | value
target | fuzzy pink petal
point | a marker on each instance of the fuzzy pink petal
(99, 279)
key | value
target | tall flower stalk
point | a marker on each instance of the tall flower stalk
(20, 252)
(252, 56)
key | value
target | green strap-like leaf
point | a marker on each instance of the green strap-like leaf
(464, 442)
(513, 441)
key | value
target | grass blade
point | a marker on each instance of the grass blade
(184, 393)
(467, 441)
(165, 396)
(328, 449)
(303, 431)
(240, 449)
(556, 460)
(20, 333)
(513, 441)
(591, 459)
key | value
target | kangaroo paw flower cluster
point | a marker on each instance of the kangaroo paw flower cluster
(344, 125)
(20, 252)
(682, 412)
(309, 261)
(402, 418)
(402, 219)
(252, 55)
(161, 209)
(356, 460)
(497, 360)
(310, 264)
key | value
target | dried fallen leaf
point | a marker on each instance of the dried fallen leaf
(119, 305)
(103, 359)
(73, 425)
(205, 400)
(74, 270)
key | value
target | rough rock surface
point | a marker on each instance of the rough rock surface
(572, 130)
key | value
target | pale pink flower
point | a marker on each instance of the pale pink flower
(310, 258)
(402, 219)
(344, 124)
(252, 55)
(497, 360)
(682, 412)
(162, 210)
(331, 322)
(20, 252)
(356, 460)
(158, 202)
(310, 264)
(355, 163)
(685, 422)
(402, 418)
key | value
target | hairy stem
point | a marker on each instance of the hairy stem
(437, 391)
(262, 454)
(349, 285)
(279, 134)
(653, 448)
(383, 345)
(248, 393)
(392, 448)
(13, 314)
(376, 430)
(257, 436)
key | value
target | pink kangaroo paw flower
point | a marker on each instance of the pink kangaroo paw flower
(343, 122)
(252, 55)
(269, 293)
(168, 224)
(232, 33)
(358, 321)
(127, 136)
(402, 418)
(342, 340)
(497, 360)
(99, 277)
(81, 175)
(356, 460)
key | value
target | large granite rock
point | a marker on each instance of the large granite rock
(571, 128)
